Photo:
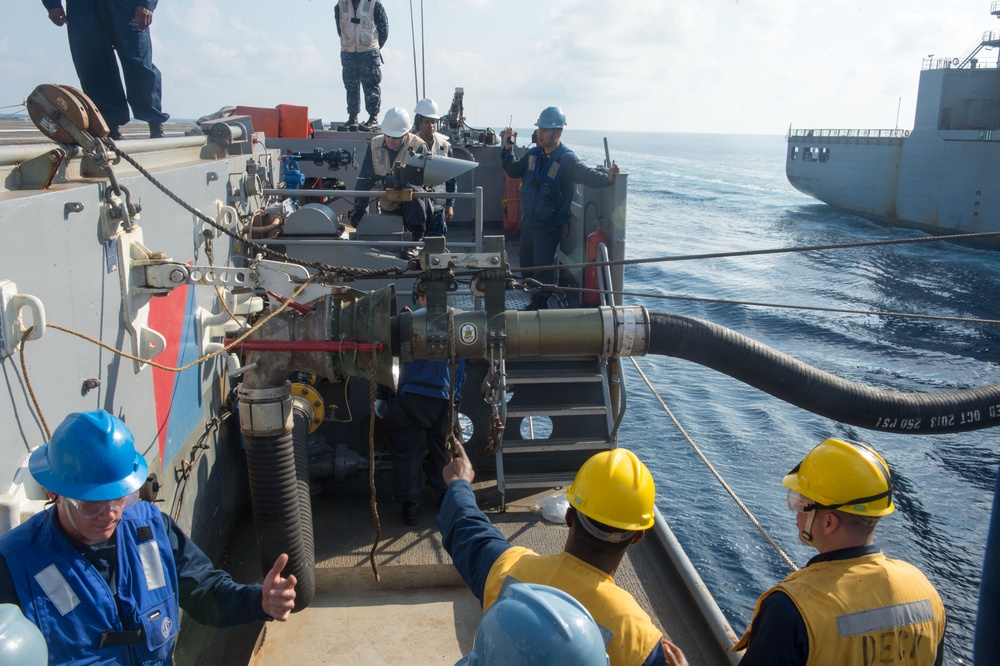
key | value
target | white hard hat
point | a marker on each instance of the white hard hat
(427, 108)
(396, 122)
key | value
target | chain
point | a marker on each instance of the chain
(452, 438)
(373, 368)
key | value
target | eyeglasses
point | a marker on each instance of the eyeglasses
(94, 509)
(799, 502)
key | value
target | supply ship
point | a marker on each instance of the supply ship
(209, 290)
(937, 177)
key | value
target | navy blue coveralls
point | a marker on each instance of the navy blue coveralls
(98, 29)
(545, 200)
(421, 406)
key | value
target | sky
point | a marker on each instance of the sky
(717, 66)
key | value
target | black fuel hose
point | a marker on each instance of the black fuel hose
(804, 386)
(280, 510)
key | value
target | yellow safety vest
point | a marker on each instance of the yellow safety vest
(864, 611)
(633, 635)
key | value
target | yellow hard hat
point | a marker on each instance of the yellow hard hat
(614, 488)
(844, 475)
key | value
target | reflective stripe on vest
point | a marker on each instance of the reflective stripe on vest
(864, 610)
(54, 584)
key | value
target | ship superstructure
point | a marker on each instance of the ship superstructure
(938, 177)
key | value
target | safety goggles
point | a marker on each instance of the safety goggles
(799, 502)
(94, 509)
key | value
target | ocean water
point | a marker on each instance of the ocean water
(693, 194)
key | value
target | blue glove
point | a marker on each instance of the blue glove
(381, 407)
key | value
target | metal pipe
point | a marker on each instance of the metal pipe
(618, 331)
(304, 346)
(987, 638)
(370, 194)
(716, 621)
(12, 155)
(284, 240)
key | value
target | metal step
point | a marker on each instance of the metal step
(523, 446)
(531, 480)
(553, 377)
(555, 410)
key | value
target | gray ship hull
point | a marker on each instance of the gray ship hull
(939, 178)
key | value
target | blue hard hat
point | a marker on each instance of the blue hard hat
(551, 118)
(91, 457)
(21, 642)
(536, 624)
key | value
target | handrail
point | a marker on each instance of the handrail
(850, 133)
(476, 245)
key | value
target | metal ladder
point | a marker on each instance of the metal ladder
(560, 413)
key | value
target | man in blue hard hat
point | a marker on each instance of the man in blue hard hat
(548, 171)
(537, 624)
(104, 574)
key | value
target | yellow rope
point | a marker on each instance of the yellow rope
(207, 357)
(27, 384)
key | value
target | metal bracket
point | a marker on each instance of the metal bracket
(11, 329)
(468, 260)
(135, 263)
(37, 173)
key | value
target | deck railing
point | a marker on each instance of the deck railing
(850, 133)
(969, 59)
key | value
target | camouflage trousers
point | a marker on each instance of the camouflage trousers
(362, 70)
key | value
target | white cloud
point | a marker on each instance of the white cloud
(657, 65)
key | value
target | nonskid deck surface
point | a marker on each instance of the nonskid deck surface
(420, 612)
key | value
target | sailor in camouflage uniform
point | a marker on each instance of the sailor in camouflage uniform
(363, 28)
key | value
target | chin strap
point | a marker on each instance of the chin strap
(806, 533)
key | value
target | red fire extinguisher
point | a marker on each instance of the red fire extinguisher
(594, 240)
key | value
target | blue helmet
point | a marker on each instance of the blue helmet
(551, 118)
(91, 457)
(536, 624)
(21, 642)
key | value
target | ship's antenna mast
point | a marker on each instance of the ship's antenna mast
(423, 53)
(898, 104)
(413, 37)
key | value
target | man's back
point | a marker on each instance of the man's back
(630, 632)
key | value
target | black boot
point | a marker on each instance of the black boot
(351, 125)
(115, 133)
(411, 512)
(155, 130)
(370, 125)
